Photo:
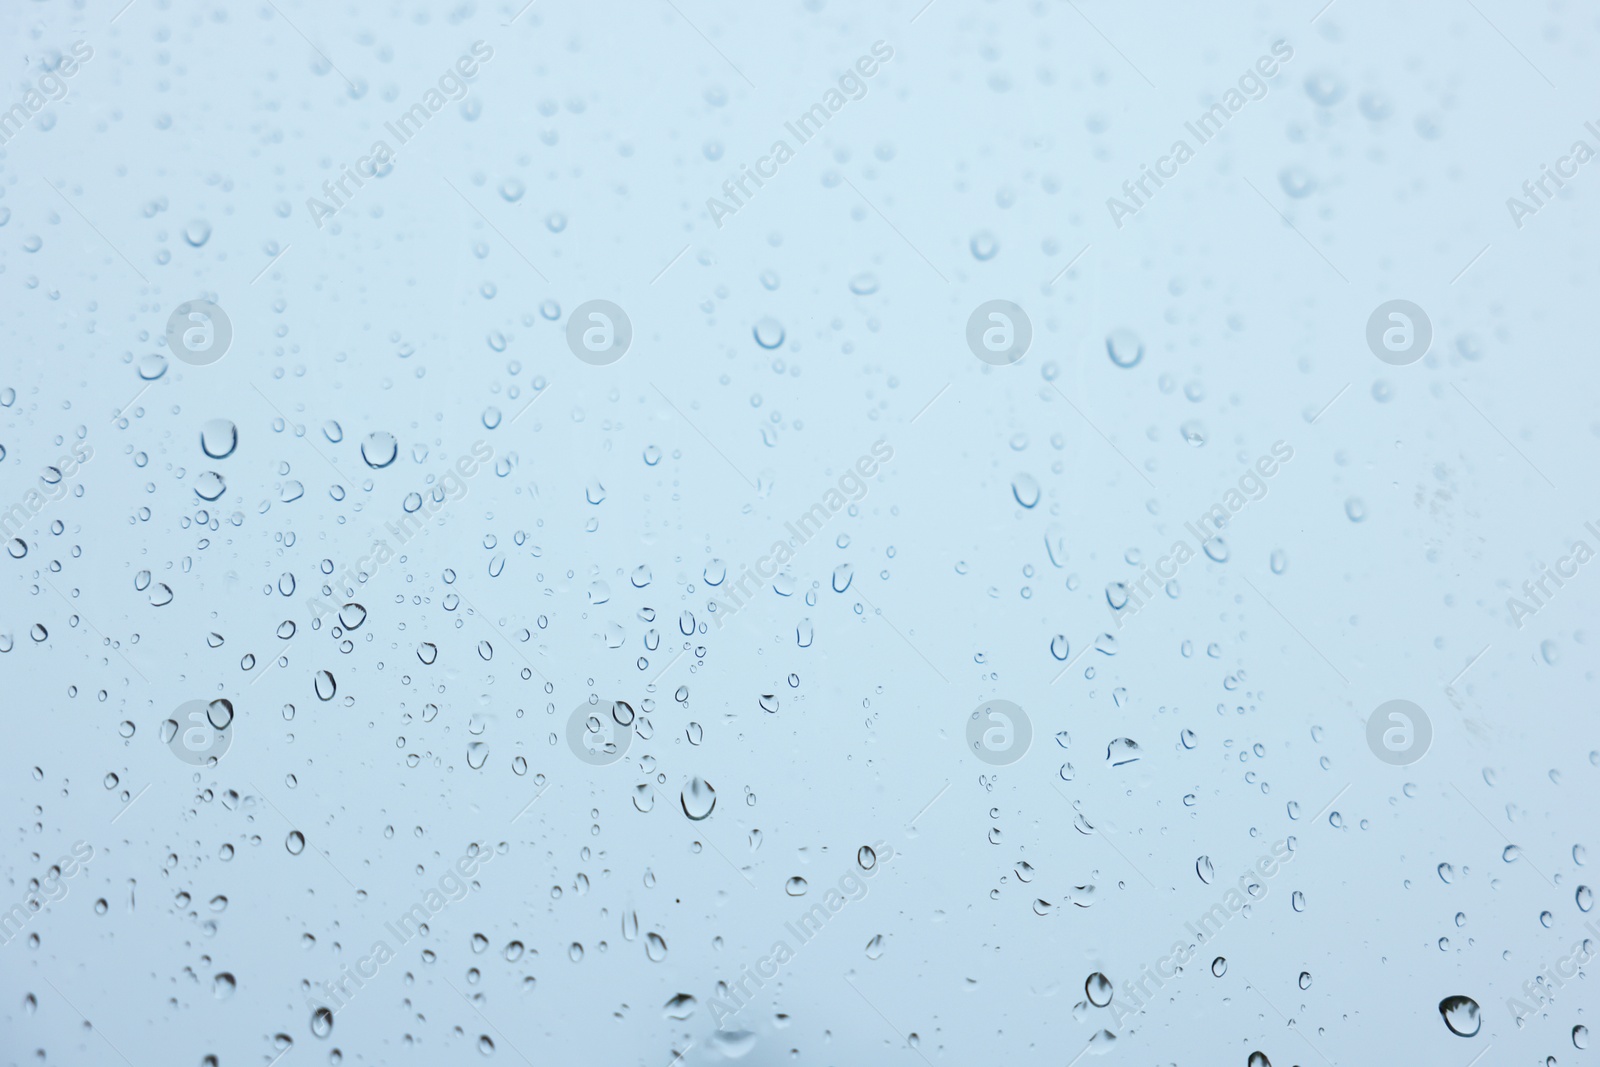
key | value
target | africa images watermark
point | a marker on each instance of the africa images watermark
(52, 487)
(453, 885)
(852, 486)
(1251, 885)
(1252, 86)
(451, 486)
(52, 86)
(1541, 989)
(453, 83)
(804, 128)
(1252, 486)
(48, 890)
(1579, 154)
(851, 887)
(1581, 553)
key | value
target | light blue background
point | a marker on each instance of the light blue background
(412, 315)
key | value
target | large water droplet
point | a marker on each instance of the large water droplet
(679, 1007)
(698, 798)
(209, 486)
(1461, 1015)
(1123, 750)
(379, 449)
(769, 332)
(218, 438)
(841, 577)
(1124, 347)
(1025, 489)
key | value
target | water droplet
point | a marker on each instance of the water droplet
(209, 486)
(1124, 347)
(219, 713)
(841, 577)
(1055, 544)
(1122, 751)
(218, 438)
(1296, 181)
(679, 1007)
(1461, 1015)
(769, 332)
(379, 449)
(1325, 88)
(1025, 490)
(698, 798)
